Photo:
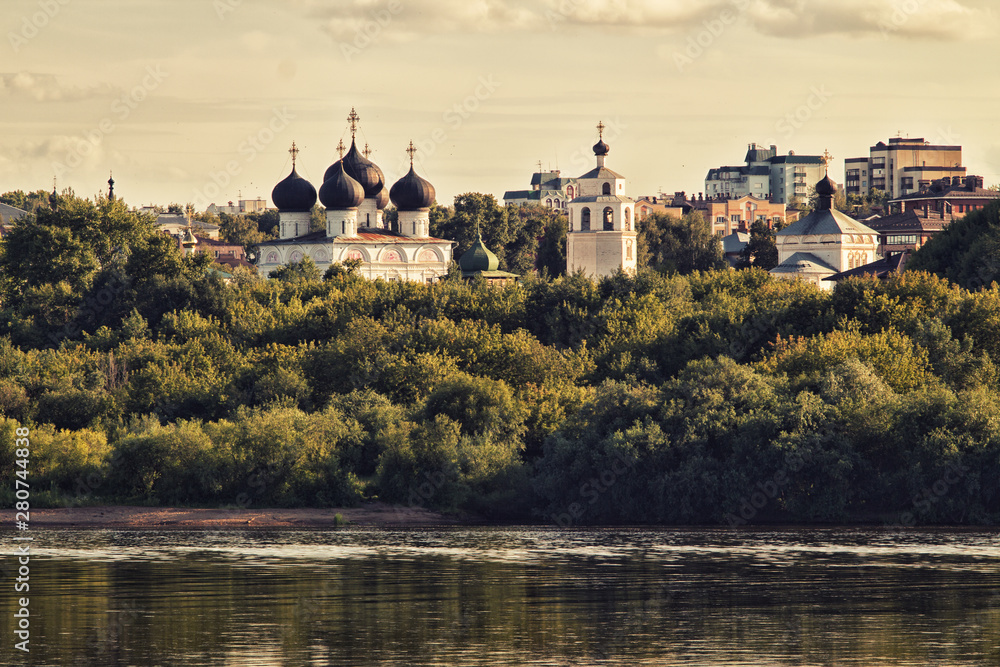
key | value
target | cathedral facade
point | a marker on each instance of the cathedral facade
(355, 195)
(602, 238)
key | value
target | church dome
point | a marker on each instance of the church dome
(478, 258)
(826, 187)
(412, 193)
(294, 194)
(382, 199)
(361, 169)
(601, 148)
(340, 191)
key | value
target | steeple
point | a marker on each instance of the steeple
(54, 197)
(826, 189)
(111, 186)
(601, 149)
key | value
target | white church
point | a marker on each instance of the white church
(824, 243)
(601, 237)
(355, 196)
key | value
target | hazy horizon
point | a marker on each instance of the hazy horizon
(199, 101)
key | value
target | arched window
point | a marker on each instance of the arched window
(585, 219)
(557, 204)
(607, 189)
(628, 220)
(548, 202)
(569, 191)
(272, 258)
(628, 250)
(609, 219)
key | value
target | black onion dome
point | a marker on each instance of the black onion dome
(382, 199)
(412, 193)
(340, 191)
(826, 187)
(601, 148)
(361, 169)
(294, 194)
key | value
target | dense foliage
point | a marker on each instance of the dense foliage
(724, 396)
(967, 251)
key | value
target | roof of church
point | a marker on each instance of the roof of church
(601, 172)
(822, 222)
(881, 268)
(803, 262)
(604, 199)
(10, 213)
(364, 235)
(478, 258)
(735, 242)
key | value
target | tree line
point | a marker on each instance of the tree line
(666, 397)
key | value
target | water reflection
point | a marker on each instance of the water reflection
(486, 596)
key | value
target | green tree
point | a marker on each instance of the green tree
(240, 230)
(551, 256)
(760, 251)
(29, 202)
(679, 245)
(295, 272)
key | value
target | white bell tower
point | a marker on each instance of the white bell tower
(602, 236)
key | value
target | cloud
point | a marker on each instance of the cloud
(793, 19)
(47, 88)
(917, 19)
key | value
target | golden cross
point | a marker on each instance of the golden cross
(367, 151)
(341, 148)
(353, 119)
(294, 152)
(412, 151)
(827, 157)
(600, 128)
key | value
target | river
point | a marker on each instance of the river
(511, 596)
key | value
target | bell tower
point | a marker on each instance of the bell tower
(602, 236)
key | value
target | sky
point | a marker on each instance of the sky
(198, 101)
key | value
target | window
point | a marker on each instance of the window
(548, 202)
(901, 239)
(721, 219)
(569, 192)
(607, 189)
(734, 218)
(628, 250)
(628, 220)
(585, 219)
(609, 219)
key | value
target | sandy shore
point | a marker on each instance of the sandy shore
(370, 514)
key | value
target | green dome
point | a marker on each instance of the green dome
(478, 258)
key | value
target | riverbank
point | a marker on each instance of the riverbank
(148, 518)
